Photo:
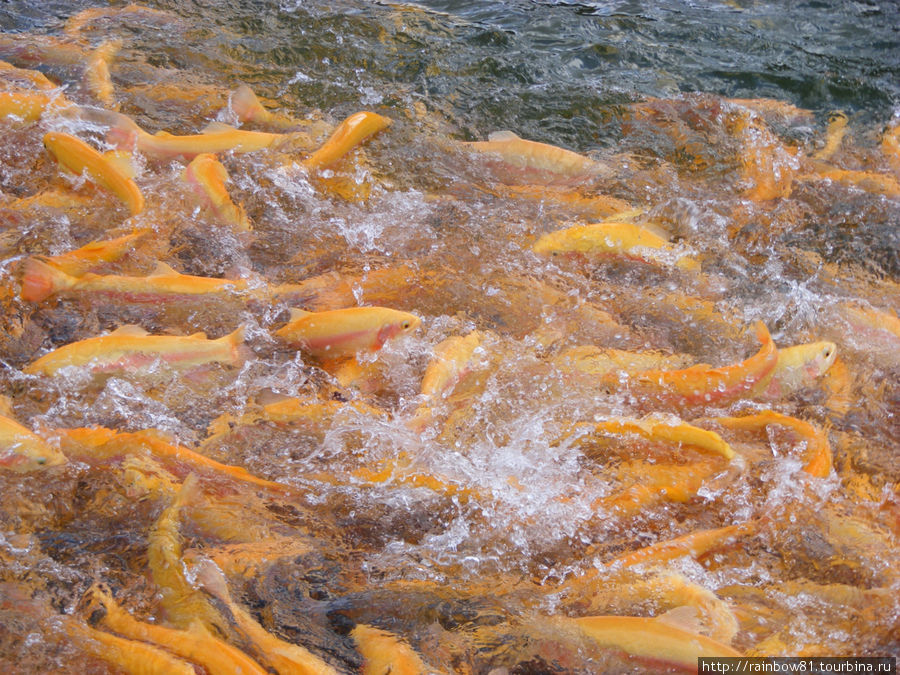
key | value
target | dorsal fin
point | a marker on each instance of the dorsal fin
(685, 618)
(130, 330)
(163, 270)
(200, 335)
(164, 134)
(297, 313)
(217, 128)
(504, 135)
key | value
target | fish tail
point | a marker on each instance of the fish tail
(234, 342)
(123, 131)
(41, 280)
(246, 105)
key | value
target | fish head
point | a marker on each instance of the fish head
(394, 324)
(822, 356)
(28, 457)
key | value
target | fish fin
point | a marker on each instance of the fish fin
(246, 105)
(210, 577)
(41, 280)
(297, 313)
(6, 406)
(163, 270)
(123, 131)
(129, 330)
(217, 128)
(504, 135)
(121, 160)
(685, 618)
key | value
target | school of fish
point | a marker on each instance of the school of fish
(288, 393)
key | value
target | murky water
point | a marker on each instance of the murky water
(538, 449)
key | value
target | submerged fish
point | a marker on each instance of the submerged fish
(341, 333)
(22, 450)
(131, 348)
(195, 643)
(654, 639)
(165, 285)
(206, 175)
(701, 384)
(386, 653)
(217, 137)
(84, 259)
(286, 658)
(615, 240)
(531, 162)
(78, 157)
(29, 106)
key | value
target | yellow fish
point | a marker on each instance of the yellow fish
(96, 75)
(614, 240)
(132, 656)
(78, 157)
(285, 657)
(341, 333)
(818, 456)
(29, 105)
(206, 175)
(798, 367)
(837, 129)
(194, 644)
(99, 444)
(870, 181)
(702, 384)
(695, 544)
(22, 450)
(131, 348)
(602, 361)
(384, 652)
(82, 260)
(657, 429)
(33, 78)
(41, 280)
(350, 133)
(530, 162)
(217, 137)
(654, 639)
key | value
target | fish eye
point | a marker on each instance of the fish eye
(405, 325)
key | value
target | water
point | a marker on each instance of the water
(473, 534)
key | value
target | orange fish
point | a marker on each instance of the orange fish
(350, 133)
(818, 450)
(22, 450)
(206, 175)
(130, 348)
(870, 181)
(694, 544)
(78, 157)
(614, 240)
(165, 285)
(529, 162)
(217, 137)
(99, 444)
(96, 75)
(132, 656)
(76, 263)
(32, 78)
(194, 644)
(384, 652)
(654, 639)
(29, 105)
(286, 658)
(702, 384)
(798, 367)
(341, 333)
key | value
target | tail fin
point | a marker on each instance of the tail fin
(235, 342)
(246, 105)
(123, 131)
(41, 280)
